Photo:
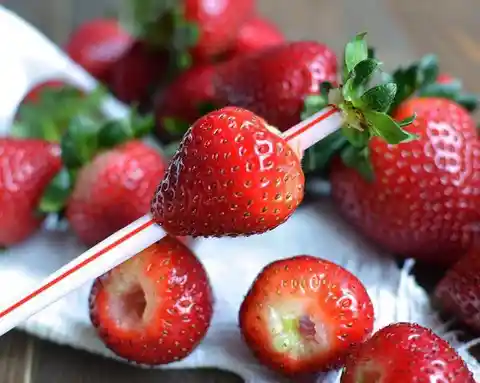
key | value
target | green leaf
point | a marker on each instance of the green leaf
(468, 101)
(56, 194)
(175, 127)
(80, 142)
(356, 138)
(359, 160)
(407, 121)
(359, 78)
(427, 70)
(378, 98)
(170, 149)
(382, 125)
(356, 51)
(449, 90)
(141, 124)
(114, 133)
(318, 157)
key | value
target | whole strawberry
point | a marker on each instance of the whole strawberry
(406, 353)
(114, 190)
(97, 44)
(458, 293)
(422, 198)
(27, 168)
(304, 314)
(156, 307)
(136, 74)
(275, 81)
(180, 104)
(232, 175)
(255, 35)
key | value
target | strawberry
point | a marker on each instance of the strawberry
(256, 34)
(27, 168)
(274, 82)
(232, 175)
(303, 315)
(113, 190)
(458, 293)
(156, 307)
(97, 44)
(422, 198)
(406, 353)
(196, 27)
(135, 75)
(180, 104)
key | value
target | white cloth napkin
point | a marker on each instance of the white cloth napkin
(232, 265)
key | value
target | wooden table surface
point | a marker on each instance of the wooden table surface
(401, 30)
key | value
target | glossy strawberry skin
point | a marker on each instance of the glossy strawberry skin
(27, 168)
(156, 307)
(114, 190)
(135, 75)
(274, 82)
(183, 97)
(255, 35)
(405, 352)
(218, 22)
(425, 199)
(458, 293)
(231, 176)
(324, 296)
(97, 44)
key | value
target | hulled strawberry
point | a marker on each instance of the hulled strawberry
(232, 175)
(420, 199)
(134, 76)
(274, 82)
(407, 353)
(180, 104)
(113, 190)
(458, 293)
(27, 168)
(255, 35)
(304, 314)
(156, 307)
(97, 44)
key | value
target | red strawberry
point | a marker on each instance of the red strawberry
(459, 291)
(27, 168)
(218, 22)
(256, 34)
(274, 82)
(183, 98)
(304, 314)
(406, 353)
(424, 200)
(136, 74)
(156, 307)
(232, 175)
(114, 190)
(97, 44)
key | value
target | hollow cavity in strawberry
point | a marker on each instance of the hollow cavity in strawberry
(155, 308)
(303, 314)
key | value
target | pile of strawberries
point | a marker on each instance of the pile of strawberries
(175, 62)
